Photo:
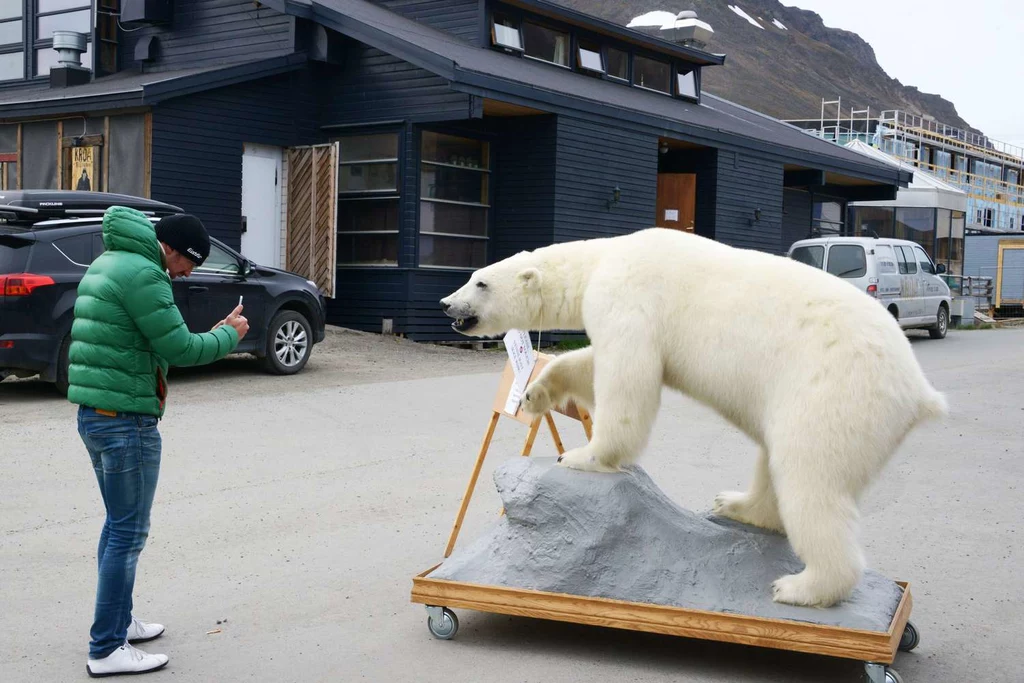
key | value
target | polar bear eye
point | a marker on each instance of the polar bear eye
(482, 285)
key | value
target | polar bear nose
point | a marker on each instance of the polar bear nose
(445, 306)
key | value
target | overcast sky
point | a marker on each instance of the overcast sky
(971, 53)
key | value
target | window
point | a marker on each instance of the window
(546, 44)
(686, 83)
(590, 57)
(618, 64)
(827, 217)
(651, 74)
(923, 261)
(77, 249)
(368, 200)
(916, 225)
(12, 51)
(812, 255)
(454, 194)
(505, 33)
(847, 260)
(872, 221)
(905, 258)
(59, 15)
(219, 262)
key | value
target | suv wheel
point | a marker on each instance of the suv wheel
(289, 343)
(62, 366)
(941, 324)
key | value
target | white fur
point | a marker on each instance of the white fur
(818, 374)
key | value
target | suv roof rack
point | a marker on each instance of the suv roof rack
(27, 207)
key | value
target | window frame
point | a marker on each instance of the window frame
(205, 269)
(810, 248)
(487, 206)
(19, 46)
(577, 37)
(906, 263)
(840, 248)
(919, 252)
(351, 196)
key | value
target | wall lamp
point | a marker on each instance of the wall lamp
(616, 196)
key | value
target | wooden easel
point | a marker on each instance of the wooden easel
(498, 411)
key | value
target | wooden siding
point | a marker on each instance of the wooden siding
(796, 218)
(524, 193)
(375, 86)
(590, 161)
(197, 144)
(459, 17)
(745, 183)
(212, 32)
(365, 296)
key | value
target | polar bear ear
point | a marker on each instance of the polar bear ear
(529, 278)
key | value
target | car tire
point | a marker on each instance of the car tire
(289, 343)
(938, 331)
(61, 381)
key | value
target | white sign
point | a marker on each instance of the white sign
(672, 214)
(520, 353)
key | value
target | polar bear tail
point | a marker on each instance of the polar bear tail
(933, 407)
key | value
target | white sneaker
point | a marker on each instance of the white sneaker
(125, 660)
(140, 631)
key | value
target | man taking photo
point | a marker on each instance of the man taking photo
(126, 333)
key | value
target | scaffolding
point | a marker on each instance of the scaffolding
(991, 172)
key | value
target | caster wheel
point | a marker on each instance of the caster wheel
(447, 625)
(910, 638)
(892, 677)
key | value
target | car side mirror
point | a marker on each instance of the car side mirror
(940, 269)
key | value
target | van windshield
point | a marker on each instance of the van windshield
(847, 260)
(812, 255)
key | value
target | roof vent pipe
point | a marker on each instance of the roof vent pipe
(70, 45)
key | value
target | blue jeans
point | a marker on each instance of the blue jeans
(125, 453)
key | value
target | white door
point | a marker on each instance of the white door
(261, 204)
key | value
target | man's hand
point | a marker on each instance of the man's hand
(236, 320)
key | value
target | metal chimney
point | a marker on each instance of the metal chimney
(70, 45)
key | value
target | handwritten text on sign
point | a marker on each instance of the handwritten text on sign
(517, 343)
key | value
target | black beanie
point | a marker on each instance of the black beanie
(186, 235)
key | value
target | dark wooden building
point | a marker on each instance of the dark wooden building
(388, 148)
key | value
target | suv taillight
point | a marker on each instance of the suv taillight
(873, 290)
(22, 284)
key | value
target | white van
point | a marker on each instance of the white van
(896, 272)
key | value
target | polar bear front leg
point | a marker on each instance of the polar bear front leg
(568, 377)
(627, 396)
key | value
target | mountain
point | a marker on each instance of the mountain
(785, 71)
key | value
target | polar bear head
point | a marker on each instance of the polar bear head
(503, 296)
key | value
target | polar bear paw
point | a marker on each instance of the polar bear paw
(739, 506)
(800, 589)
(584, 459)
(537, 400)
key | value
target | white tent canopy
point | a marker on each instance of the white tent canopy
(924, 191)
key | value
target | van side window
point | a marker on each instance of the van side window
(812, 255)
(847, 260)
(885, 259)
(924, 261)
(907, 264)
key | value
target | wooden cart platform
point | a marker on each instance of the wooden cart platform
(877, 649)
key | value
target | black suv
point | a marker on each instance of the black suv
(48, 239)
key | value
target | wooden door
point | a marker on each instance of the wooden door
(312, 221)
(677, 201)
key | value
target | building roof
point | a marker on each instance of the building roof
(925, 190)
(133, 89)
(489, 73)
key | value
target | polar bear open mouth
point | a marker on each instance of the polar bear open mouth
(465, 324)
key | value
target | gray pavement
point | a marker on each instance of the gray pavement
(298, 510)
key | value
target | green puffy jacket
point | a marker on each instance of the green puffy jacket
(127, 328)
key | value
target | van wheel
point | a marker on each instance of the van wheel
(941, 324)
(61, 381)
(289, 343)
(894, 312)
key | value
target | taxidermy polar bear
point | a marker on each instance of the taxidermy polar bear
(816, 372)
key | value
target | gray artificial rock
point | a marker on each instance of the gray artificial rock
(618, 536)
